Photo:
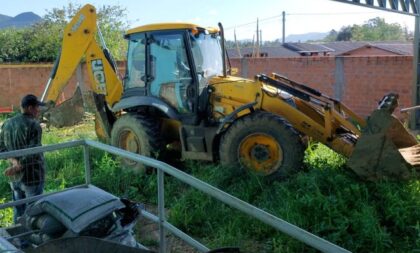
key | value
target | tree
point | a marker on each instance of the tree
(113, 24)
(41, 42)
(345, 34)
(375, 29)
(112, 20)
(332, 36)
(13, 45)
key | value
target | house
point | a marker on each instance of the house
(381, 48)
(342, 48)
(308, 49)
(248, 52)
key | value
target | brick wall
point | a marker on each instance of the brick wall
(18, 80)
(367, 79)
(359, 82)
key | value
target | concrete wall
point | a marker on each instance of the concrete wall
(359, 82)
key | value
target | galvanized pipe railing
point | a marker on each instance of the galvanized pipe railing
(291, 230)
(273, 221)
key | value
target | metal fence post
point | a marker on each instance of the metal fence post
(161, 210)
(86, 157)
(273, 221)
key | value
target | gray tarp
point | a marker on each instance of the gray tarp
(77, 208)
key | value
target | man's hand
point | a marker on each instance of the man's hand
(14, 169)
(11, 171)
(13, 161)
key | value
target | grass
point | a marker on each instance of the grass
(359, 216)
(324, 199)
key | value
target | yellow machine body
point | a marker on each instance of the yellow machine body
(266, 118)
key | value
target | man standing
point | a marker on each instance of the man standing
(27, 172)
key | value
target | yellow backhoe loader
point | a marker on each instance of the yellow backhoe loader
(178, 89)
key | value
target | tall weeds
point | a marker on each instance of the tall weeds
(324, 198)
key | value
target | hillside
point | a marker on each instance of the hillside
(4, 18)
(22, 20)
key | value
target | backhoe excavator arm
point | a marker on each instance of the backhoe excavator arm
(79, 42)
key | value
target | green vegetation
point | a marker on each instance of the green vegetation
(42, 41)
(375, 29)
(324, 199)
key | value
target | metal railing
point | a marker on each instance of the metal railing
(162, 168)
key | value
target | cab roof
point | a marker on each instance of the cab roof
(170, 26)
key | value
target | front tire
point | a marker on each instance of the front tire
(262, 143)
(138, 134)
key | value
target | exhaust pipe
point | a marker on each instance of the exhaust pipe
(222, 34)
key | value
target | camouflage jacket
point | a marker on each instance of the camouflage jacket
(19, 132)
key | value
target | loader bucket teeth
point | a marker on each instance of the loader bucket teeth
(68, 113)
(385, 149)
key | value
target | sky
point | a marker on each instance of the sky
(240, 16)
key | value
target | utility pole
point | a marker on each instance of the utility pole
(253, 46)
(258, 40)
(415, 115)
(237, 45)
(284, 27)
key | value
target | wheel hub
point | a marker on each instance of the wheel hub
(261, 153)
(129, 141)
(132, 145)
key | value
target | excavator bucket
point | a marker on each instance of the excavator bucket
(68, 113)
(385, 149)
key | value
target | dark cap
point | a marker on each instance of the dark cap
(29, 100)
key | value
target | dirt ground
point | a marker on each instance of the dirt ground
(148, 235)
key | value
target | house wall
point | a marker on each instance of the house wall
(359, 82)
(367, 50)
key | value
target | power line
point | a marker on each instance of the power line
(252, 23)
(300, 14)
(332, 14)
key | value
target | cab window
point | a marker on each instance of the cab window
(170, 70)
(136, 67)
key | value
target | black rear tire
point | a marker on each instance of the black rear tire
(262, 143)
(138, 134)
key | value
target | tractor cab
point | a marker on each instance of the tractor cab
(168, 67)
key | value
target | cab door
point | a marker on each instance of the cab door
(170, 72)
(159, 74)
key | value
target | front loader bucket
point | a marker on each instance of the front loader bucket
(68, 113)
(385, 149)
